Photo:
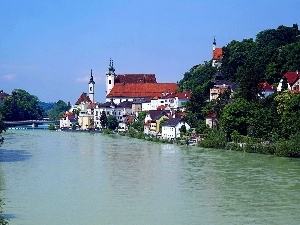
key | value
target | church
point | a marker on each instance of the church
(128, 87)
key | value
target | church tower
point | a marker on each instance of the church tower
(110, 77)
(91, 87)
(217, 55)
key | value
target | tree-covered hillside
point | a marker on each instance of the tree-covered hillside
(267, 58)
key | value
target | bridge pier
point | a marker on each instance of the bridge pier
(34, 125)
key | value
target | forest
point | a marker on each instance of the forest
(267, 124)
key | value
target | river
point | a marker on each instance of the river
(52, 177)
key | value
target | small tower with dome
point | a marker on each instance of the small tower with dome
(110, 77)
(91, 87)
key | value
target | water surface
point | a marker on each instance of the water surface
(79, 178)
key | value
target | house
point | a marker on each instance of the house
(171, 128)
(220, 86)
(178, 100)
(84, 117)
(123, 126)
(211, 120)
(292, 80)
(265, 89)
(67, 120)
(153, 120)
(127, 87)
(120, 111)
(2, 96)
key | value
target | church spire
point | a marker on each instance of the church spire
(214, 44)
(91, 78)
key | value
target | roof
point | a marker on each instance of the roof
(110, 104)
(92, 105)
(181, 95)
(83, 99)
(154, 114)
(172, 122)
(291, 77)
(129, 119)
(218, 53)
(125, 104)
(211, 115)
(265, 86)
(3, 94)
(135, 78)
(70, 115)
(138, 90)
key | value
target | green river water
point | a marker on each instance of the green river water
(69, 178)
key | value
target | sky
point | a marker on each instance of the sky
(48, 48)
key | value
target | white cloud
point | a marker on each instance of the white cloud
(9, 77)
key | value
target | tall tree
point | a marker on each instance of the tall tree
(20, 105)
(112, 122)
(60, 108)
(103, 120)
(2, 128)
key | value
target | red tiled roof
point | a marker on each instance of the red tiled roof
(265, 86)
(141, 90)
(135, 78)
(291, 77)
(3, 94)
(68, 114)
(83, 99)
(218, 53)
(181, 95)
(161, 107)
(92, 105)
(211, 115)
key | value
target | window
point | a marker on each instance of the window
(109, 81)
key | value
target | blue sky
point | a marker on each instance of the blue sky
(49, 47)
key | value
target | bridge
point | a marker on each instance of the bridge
(33, 123)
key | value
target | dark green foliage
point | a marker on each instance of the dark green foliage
(20, 105)
(235, 116)
(289, 122)
(51, 127)
(58, 110)
(2, 128)
(214, 139)
(103, 120)
(112, 122)
(197, 76)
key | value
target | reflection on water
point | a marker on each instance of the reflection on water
(77, 178)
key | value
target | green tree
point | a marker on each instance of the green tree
(235, 116)
(112, 122)
(59, 109)
(289, 120)
(2, 128)
(20, 105)
(103, 120)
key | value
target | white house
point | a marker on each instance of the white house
(67, 120)
(171, 128)
(292, 79)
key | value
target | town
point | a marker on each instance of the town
(233, 101)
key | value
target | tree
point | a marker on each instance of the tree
(289, 120)
(2, 128)
(235, 116)
(20, 105)
(60, 108)
(103, 119)
(112, 122)
(284, 85)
